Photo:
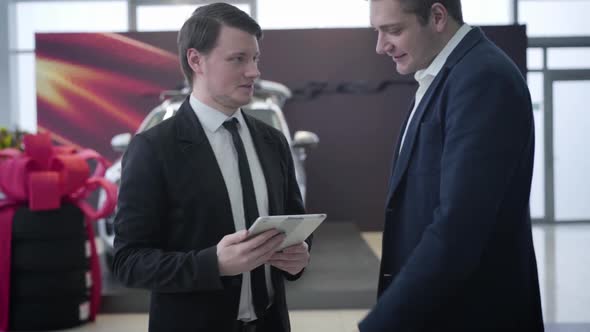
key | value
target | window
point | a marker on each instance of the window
(537, 200)
(168, 17)
(546, 18)
(487, 12)
(26, 92)
(53, 16)
(568, 58)
(67, 16)
(534, 58)
(571, 123)
(301, 14)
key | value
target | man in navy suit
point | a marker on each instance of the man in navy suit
(457, 245)
(191, 185)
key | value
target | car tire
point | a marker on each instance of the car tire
(62, 255)
(62, 283)
(66, 222)
(42, 313)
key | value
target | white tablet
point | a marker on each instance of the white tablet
(297, 227)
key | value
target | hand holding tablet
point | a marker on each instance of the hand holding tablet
(297, 228)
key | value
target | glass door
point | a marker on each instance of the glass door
(567, 120)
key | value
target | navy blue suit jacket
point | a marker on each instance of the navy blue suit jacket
(457, 246)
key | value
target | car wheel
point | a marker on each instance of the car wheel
(64, 223)
(42, 313)
(61, 283)
(63, 255)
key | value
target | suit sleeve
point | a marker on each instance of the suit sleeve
(486, 129)
(139, 260)
(293, 200)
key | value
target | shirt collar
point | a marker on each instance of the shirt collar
(210, 118)
(441, 58)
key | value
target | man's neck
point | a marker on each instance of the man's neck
(444, 38)
(448, 33)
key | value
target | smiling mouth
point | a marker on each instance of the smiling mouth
(399, 57)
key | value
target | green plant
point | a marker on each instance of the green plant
(11, 139)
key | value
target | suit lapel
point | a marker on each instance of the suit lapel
(267, 153)
(406, 150)
(401, 165)
(396, 149)
(203, 169)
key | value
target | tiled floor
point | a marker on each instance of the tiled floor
(564, 273)
(563, 258)
(563, 262)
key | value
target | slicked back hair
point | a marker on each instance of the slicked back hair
(201, 30)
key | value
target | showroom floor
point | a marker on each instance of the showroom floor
(564, 270)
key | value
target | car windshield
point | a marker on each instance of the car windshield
(265, 115)
(156, 118)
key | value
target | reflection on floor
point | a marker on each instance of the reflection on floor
(343, 267)
(564, 272)
(563, 263)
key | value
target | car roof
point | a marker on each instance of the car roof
(268, 95)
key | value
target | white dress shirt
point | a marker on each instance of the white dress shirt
(227, 159)
(425, 77)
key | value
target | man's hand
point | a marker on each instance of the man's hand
(292, 259)
(237, 254)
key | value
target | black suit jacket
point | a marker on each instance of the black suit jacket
(174, 209)
(457, 246)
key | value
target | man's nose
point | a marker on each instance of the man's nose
(252, 70)
(382, 44)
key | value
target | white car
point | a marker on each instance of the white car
(269, 98)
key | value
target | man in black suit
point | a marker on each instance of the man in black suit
(457, 246)
(191, 185)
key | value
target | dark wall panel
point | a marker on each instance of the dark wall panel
(355, 101)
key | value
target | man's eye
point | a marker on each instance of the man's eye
(238, 59)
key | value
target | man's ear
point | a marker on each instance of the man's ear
(439, 16)
(195, 60)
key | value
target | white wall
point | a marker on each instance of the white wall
(5, 104)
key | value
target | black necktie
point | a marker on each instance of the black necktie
(259, 293)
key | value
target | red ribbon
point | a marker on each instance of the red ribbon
(44, 176)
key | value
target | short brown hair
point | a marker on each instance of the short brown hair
(201, 30)
(422, 8)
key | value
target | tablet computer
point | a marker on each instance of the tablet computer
(297, 227)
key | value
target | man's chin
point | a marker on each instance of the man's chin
(402, 70)
(242, 101)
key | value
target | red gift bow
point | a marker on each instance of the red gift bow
(45, 176)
